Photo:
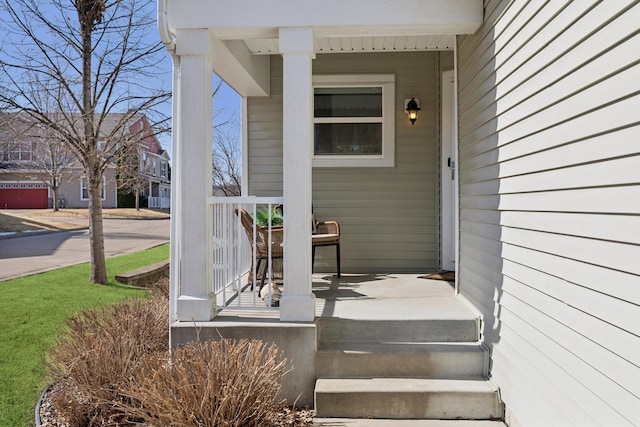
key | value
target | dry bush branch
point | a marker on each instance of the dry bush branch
(112, 367)
(216, 383)
(160, 288)
(97, 354)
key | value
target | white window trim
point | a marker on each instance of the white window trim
(83, 179)
(387, 83)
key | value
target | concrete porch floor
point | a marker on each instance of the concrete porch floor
(385, 296)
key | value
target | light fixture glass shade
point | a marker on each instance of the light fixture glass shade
(412, 109)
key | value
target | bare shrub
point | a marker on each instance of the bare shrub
(216, 383)
(112, 367)
(160, 288)
(97, 354)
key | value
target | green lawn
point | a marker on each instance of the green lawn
(32, 312)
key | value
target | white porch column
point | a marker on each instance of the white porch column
(296, 47)
(194, 228)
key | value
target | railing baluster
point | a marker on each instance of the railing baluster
(233, 257)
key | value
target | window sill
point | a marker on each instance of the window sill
(330, 161)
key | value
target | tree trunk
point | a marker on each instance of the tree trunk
(96, 229)
(94, 174)
(137, 200)
(54, 189)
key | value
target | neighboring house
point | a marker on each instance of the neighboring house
(29, 189)
(25, 182)
(521, 172)
(74, 193)
(153, 165)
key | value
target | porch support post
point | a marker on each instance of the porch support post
(195, 301)
(296, 47)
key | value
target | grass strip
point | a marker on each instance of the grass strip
(34, 309)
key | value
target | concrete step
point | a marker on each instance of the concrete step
(406, 398)
(400, 360)
(464, 329)
(367, 422)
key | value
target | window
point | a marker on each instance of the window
(21, 151)
(353, 120)
(84, 190)
(163, 169)
(145, 166)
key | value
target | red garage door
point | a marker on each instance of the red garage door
(24, 198)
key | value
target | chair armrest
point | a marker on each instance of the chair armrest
(328, 227)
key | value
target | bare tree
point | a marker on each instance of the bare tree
(5, 140)
(92, 58)
(4, 153)
(131, 175)
(227, 167)
(51, 159)
(47, 159)
(226, 156)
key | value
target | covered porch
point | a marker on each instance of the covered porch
(273, 57)
(325, 94)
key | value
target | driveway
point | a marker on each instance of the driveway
(21, 256)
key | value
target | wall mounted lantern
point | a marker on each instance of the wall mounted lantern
(412, 106)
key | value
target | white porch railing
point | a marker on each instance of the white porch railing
(233, 258)
(159, 202)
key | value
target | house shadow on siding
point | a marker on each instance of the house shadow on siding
(481, 246)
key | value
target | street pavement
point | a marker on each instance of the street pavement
(38, 252)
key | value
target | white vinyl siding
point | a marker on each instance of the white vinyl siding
(550, 206)
(389, 217)
(71, 190)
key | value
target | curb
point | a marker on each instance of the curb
(138, 218)
(84, 227)
(38, 232)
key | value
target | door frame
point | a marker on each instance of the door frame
(449, 213)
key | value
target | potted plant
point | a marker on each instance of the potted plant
(263, 215)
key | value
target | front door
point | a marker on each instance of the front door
(448, 175)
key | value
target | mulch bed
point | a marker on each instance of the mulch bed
(288, 417)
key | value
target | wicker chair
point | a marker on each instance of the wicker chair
(261, 249)
(326, 233)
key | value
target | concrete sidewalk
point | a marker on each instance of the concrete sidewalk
(354, 422)
(39, 252)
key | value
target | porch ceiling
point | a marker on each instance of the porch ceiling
(243, 32)
(269, 46)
